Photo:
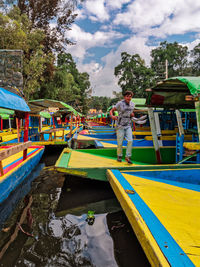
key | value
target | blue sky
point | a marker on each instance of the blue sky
(105, 28)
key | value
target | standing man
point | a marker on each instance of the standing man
(125, 110)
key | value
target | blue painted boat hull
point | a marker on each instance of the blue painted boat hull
(18, 175)
(102, 136)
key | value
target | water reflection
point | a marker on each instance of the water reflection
(8, 206)
(82, 244)
(62, 235)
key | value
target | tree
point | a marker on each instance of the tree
(133, 74)
(99, 103)
(195, 64)
(54, 17)
(84, 84)
(175, 54)
(16, 33)
(50, 20)
(67, 84)
(117, 97)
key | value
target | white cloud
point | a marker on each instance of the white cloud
(141, 14)
(92, 68)
(80, 14)
(161, 17)
(85, 40)
(100, 10)
(102, 79)
(145, 18)
(192, 44)
(97, 8)
(137, 45)
(116, 4)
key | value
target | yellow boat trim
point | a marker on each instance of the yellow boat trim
(9, 137)
(85, 160)
(192, 146)
(177, 208)
(45, 128)
(82, 137)
(108, 145)
(146, 239)
(15, 157)
(46, 143)
(172, 137)
(72, 172)
(141, 133)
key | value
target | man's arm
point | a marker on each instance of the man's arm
(111, 114)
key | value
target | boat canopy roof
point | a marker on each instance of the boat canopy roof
(192, 83)
(6, 111)
(171, 93)
(9, 100)
(140, 103)
(4, 116)
(50, 103)
(45, 114)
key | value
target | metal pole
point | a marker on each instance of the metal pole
(197, 108)
(154, 135)
(180, 123)
(166, 69)
(9, 120)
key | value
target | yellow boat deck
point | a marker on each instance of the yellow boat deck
(165, 215)
(89, 160)
(82, 137)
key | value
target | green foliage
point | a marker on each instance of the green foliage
(134, 75)
(16, 33)
(12, 35)
(67, 84)
(99, 103)
(195, 64)
(175, 54)
(33, 72)
(41, 14)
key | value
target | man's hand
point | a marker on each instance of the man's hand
(114, 118)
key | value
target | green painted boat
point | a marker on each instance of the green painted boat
(93, 163)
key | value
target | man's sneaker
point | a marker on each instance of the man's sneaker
(119, 158)
(128, 160)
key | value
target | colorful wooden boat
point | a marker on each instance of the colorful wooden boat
(107, 136)
(136, 143)
(102, 131)
(99, 127)
(163, 207)
(82, 141)
(15, 168)
(93, 163)
(16, 162)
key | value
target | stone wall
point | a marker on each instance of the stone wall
(11, 69)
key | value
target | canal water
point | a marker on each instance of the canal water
(45, 222)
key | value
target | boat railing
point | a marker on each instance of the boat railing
(5, 153)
